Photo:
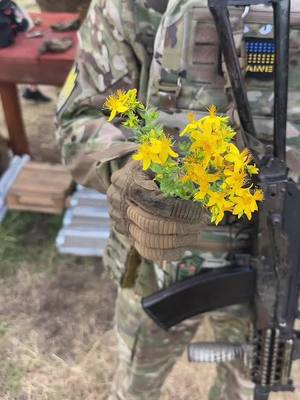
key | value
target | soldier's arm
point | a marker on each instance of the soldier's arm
(91, 147)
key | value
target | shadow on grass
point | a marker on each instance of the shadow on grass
(27, 240)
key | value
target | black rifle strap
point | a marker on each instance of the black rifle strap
(158, 5)
(281, 25)
(227, 44)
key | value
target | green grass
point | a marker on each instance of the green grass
(12, 376)
(27, 240)
(3, 328)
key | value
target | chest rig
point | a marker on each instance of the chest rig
(187, 72)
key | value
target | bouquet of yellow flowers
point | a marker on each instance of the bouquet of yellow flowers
(207, 167)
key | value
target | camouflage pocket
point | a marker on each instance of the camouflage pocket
(115, 257)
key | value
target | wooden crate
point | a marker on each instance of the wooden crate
(40, 187)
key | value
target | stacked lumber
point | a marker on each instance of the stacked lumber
(8, 178)
(40, 187)
(86, 224)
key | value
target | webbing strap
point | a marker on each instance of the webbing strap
(158, 5)
(168, 93)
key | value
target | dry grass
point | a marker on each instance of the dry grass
(56, 330)
(56, 339)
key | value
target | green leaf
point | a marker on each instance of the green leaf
(157, 169)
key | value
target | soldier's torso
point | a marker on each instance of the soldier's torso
(186, 72)
(182, 71)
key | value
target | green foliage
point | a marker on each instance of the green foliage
(184, 146)
(3, 328)
(170, 183)
(12, 376)
(27, 237)
(27, 240)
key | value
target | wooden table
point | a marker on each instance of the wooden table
(21, 63)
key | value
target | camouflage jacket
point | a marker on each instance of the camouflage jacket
(115, 49)
(118, 44)
(174, 61)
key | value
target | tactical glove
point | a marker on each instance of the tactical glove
(160, 228)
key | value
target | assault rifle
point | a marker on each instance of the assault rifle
(271, 283)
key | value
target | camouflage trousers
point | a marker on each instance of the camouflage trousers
(148, 353)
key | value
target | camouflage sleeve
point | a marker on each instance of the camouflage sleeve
(91, 147)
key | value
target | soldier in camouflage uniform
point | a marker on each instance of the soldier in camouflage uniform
(172, 57)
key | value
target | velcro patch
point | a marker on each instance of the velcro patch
(188, 266)
(68, 88)
(260, 57)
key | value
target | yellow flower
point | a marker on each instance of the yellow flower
(202, 178)
(213, 122)
(246, 202)
(116, 103)
(252, 169)
(235, 179)
(217, 161)
(211, 169)
(162, 147)
(146, 155)
(157, 151)
(258, 195)
(218, 205)
(121, 102)
(193, 124)
(218, 199)
(239, 159)
(211, 146)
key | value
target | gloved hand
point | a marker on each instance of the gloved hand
(160, 228)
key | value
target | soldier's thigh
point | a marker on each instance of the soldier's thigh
(141, 339)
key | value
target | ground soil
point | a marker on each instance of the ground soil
(56, 312)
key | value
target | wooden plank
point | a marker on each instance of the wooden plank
(42, 178)
(46, 210)
(42, 166)
(40, 187)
